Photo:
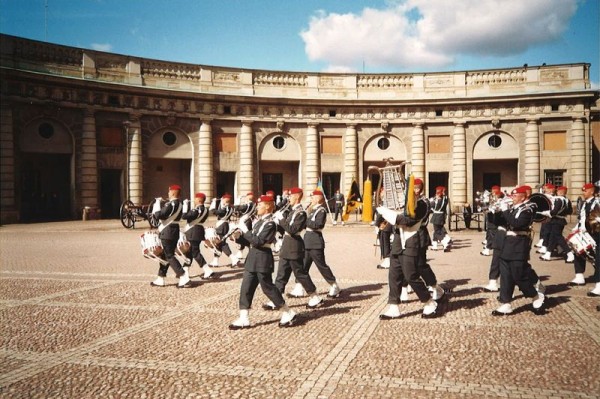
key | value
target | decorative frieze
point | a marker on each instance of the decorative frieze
(507, 77)
(385, 81)
(280, 79)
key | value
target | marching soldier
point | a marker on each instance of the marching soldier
(259, 266)
(224, 214)
(514, 254)
(246, 210)
(384, 235)
(168, 215)
(404, 263)
(291, 254)
(315, 245)
(438, 219)
(194, 232)
(590, 204)
(546, 228)
(495, 234)
(491, 228)
(561, 208)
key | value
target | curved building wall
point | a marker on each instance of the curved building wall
(138, 125)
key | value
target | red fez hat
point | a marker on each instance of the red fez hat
(271, 193)
(495, 188)
(439, 188)
(520, 190)
(549, 186)
(561, 188)
(418, 182)
(527, 188)
(200, 195)
(317, 192)
(226, 196)
(175, 187)
(265, 198)
(587, 186)
(295, 190)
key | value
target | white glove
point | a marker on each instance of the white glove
(186, 206)
(546, 213)
(242, 226)
(278, 216)
(376, 230)
(391, 238)
(213, 204)
(503, 206)
(387, 214)
(156, 206)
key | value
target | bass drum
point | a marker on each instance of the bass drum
(543, 204)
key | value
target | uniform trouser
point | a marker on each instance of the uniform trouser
(545, 233)
(556, 238)
(318, 256)
(404, 268)
(495, 265)
(250, 282)
(284, 271)
(384, 243)
(438, 232)
(169, 255)
(519, 273)
(490, 234)
(424, 269)
(195, 253)
(224, 247)
(338, 211)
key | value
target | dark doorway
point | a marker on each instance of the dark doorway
(45, 187)
(225, 183)
(110, 192)
(491, 179)
(437, 179)
(272, 181)
(331, 183)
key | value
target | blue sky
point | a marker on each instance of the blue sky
(377, 36)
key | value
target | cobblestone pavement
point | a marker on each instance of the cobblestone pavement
(80, 320)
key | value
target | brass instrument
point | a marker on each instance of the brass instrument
(393, 182)
(543, 204)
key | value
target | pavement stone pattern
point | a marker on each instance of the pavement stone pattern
(79, 319)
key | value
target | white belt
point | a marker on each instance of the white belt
(438, 211)
(517, 233)
(315, 230)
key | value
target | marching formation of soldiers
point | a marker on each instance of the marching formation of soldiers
(282, 225)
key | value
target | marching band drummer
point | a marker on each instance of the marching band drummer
(590, 203)
(561, 208)
(546, 228)
(246, 210)
(259, 266)
(224, 214)
(168, 215)
(514, 254)
(194, 232)
(404, 262)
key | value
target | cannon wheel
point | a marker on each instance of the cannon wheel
(153, 221)
(127, 216)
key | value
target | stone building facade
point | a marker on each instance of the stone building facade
(82, 128)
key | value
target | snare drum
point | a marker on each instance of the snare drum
(581, 243)
(151, 245)
(183, 245)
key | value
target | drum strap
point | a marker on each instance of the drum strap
(169, 220)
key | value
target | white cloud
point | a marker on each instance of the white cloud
(102, 47)
(432, 33)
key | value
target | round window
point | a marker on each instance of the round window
(279, 142)
(383, 143)
(46, 130)
(495, 141)
(169, 138)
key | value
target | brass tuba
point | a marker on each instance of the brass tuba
(543, 204)
(391, 189)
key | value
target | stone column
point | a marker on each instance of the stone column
(246, 170)
(7, 166)
(311, 167)
(206, 173)
(350, 157)
(577, 169)
(532, 153)
(458, 185)
(134, 164)
(89, 166)
(417, 159)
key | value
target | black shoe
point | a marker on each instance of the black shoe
(381, 267)
(572, 284)
(386, 317)
(539, 311)
(318, 305)
(157, 285)
(186, 285)
(236, 327)
(592, 294)
(268, 307)
(211, 277)
(289, 323)
(496, 313)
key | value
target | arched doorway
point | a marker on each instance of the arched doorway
(44, 185)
